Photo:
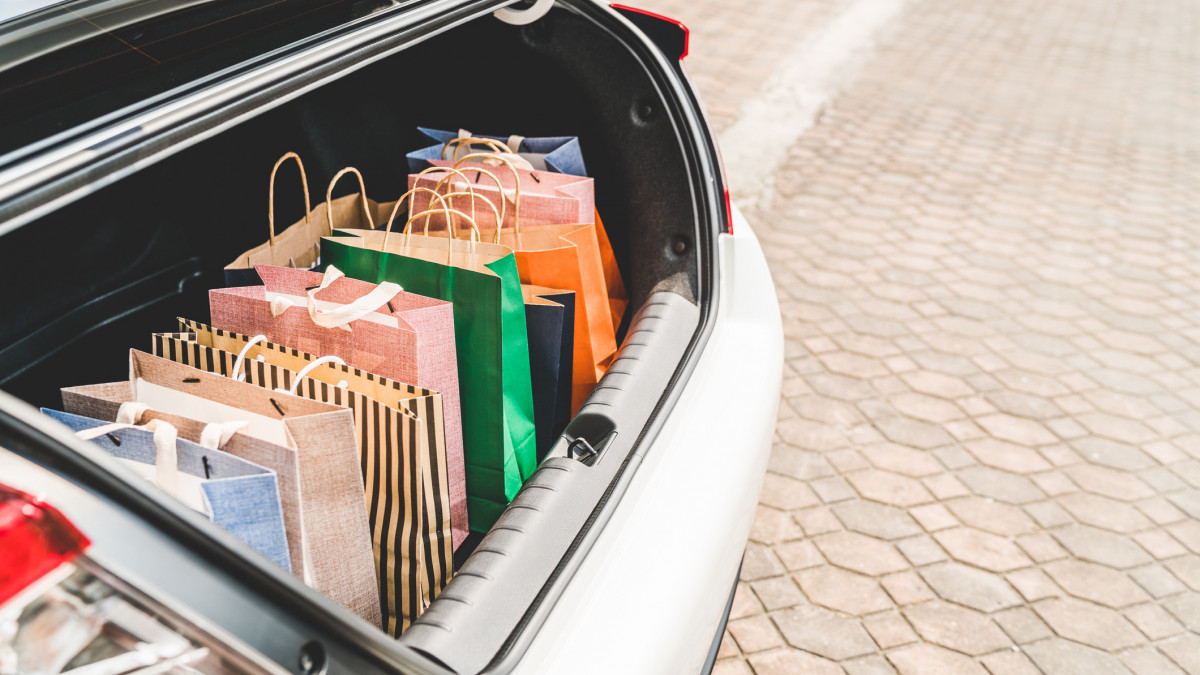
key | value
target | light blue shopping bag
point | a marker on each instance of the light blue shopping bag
(240, 496)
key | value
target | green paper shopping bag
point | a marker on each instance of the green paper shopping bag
(496, 399)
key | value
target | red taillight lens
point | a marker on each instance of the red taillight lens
(670, 35)
(35, 539)
(62, 612)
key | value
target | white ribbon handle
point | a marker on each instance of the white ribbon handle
(129, 416)
(343, 315)
(518, 161)
(237, 365)
(166, 452)
(216, 434)
(166, 457)
(513, 143)
(308, 369)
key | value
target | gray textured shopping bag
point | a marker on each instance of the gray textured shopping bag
(240, 496)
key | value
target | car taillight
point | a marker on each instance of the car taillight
(61, 612)
(670, 35)
(35, 539)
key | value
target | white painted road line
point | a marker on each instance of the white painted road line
(790, 101)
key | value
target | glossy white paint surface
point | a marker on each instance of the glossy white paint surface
(650, 595)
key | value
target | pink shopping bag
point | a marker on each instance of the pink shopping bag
(377, 328)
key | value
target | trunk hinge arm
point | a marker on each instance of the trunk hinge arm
(521, 17)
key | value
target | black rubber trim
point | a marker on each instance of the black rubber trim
(720, 635)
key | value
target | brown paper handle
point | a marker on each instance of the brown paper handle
(362, 191)
(471, 187)
(458, 143)
(271, 192)
(387, 231)
(449, 240)
(516, 188)
(438, 186)
(473, 196)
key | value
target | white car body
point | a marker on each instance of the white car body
(649, 597)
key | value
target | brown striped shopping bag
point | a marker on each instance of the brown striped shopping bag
(401, 441)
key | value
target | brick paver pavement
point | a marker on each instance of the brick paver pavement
(986, 251)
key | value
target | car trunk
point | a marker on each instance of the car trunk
(97, 275)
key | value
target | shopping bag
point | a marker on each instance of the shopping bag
(296, 246)
(565, 257)
(515, 186)
(560, 154)
(308, 442)
(399, 335)
(482, 282)
(401, 441)
(550, 319)
(239, 496)
(546, 198)
(618, 297)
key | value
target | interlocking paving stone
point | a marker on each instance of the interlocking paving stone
(1009, 663)
(785, 662)
(860, 553)
(876, 520)
(992, 516)
(1185, 608)
(1022, 625)
(1007, 456)
(906, 588)
(1071, 658)
(755, 634)
(823, 632)
(843, 590)
(928, 659)
(1033, 584)
(1097, 583)
(1105, 513)
(798, 555)
(901, 459)
(1087, 623)
(1184, 650)
(982, 549)
(1001, 485)
(971, 587)
(868, 665)
(1109, 482)
(731, 666)
(1099, 546)
(921, 550)
(889, 630)
(889, 488)
(956, 628)
(1154, 621)
(1148, 661)
(772, 526)
(1120, 456)
(777, 592)
(985, 249)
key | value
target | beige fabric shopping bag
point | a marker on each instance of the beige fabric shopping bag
(311, 445)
